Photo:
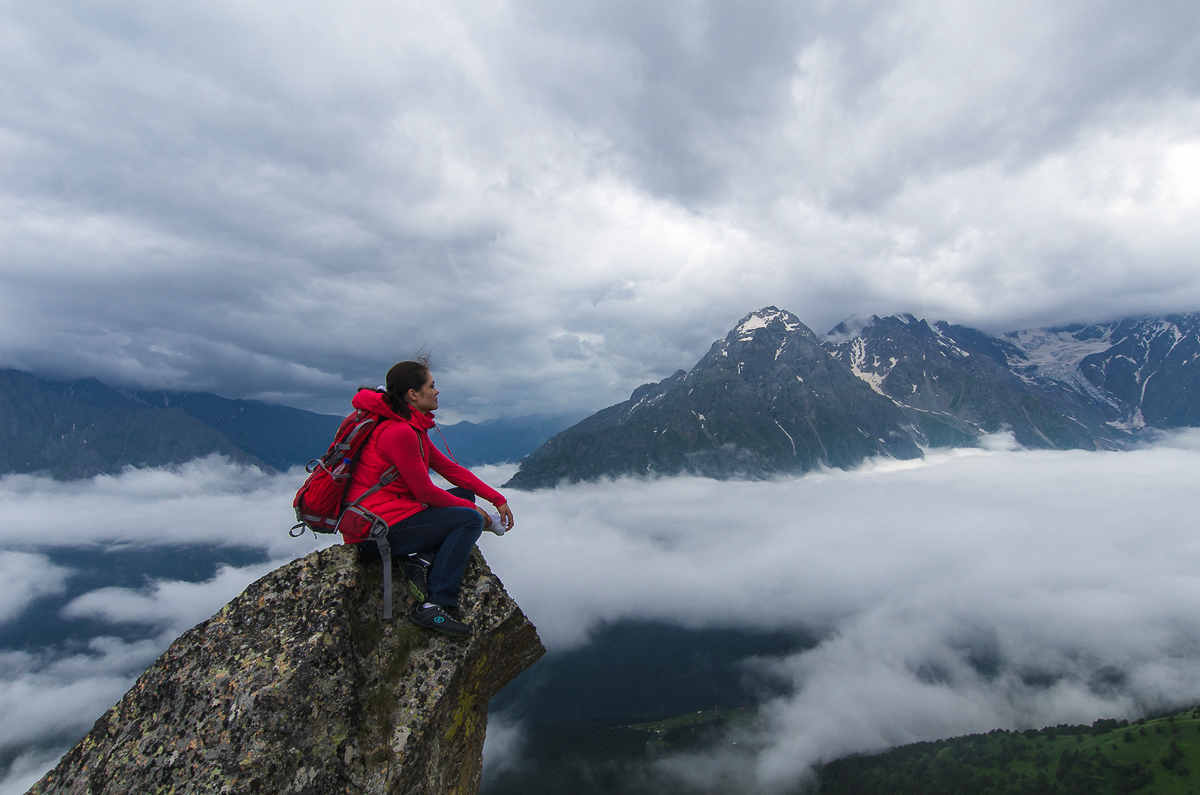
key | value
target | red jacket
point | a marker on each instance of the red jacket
(404, 444)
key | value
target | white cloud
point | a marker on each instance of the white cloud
(44, 697)
(206, 501)
(171, 604)
(27, 769)
(27, 577)
(502, 750)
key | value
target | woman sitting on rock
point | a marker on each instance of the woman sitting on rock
(431, 530)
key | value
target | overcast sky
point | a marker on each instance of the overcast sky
(564, 200)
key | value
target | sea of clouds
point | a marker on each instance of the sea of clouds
(971, 590)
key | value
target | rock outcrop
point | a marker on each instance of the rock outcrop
(298, 686)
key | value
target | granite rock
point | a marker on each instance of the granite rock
(298, 686)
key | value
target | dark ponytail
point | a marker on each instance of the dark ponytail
(402, 377)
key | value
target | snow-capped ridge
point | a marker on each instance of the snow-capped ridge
(763, 318)
(765, 401)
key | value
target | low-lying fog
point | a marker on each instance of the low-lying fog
(972, 590)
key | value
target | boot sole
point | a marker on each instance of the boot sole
(416, 591)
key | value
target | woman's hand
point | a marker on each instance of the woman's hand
(505, 516)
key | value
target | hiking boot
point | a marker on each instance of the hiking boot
(416, 571)
(435, 618)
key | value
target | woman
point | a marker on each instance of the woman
(431, 530)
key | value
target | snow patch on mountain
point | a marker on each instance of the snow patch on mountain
(1135, 423)
(1055, 354)
(763, 318)
(788, 435)
(873, 377)
(943, 339)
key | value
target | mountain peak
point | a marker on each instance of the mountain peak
(767, 328)
(850, 328)
(766, 399)
(764, 318)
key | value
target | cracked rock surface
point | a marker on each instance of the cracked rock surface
(298, 686)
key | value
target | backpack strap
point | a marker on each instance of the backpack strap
(385, 555)
(379, 531)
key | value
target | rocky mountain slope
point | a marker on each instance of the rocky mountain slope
(80, 430)
(1140, 372)
(297, 686)
(280, 436)
(958, 383)
(771, 397)
(767, 398)
(77, 429)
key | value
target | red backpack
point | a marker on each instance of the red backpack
(319, 502)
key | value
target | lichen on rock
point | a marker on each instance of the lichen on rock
(297, 686)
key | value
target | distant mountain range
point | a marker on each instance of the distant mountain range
(78, 429)
(500, 440)
(772, 397)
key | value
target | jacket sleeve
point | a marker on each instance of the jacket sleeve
(399, 446)
(461, 476)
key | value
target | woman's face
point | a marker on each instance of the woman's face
(423, 399)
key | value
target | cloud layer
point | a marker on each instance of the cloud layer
(27, 578)
(968, 591)
(206, 501)
(971, 590)
(49, 697)
(566, 201)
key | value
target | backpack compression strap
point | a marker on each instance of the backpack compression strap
(379, 530)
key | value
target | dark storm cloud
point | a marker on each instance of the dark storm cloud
(567, 200)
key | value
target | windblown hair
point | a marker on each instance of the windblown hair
(402, 377)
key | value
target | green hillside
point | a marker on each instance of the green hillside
(1150, 756)
(1110, 757)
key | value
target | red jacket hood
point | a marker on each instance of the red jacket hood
(372, 401)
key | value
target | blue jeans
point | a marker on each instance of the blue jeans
(445, 535)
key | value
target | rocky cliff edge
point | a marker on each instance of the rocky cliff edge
(297, 686)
